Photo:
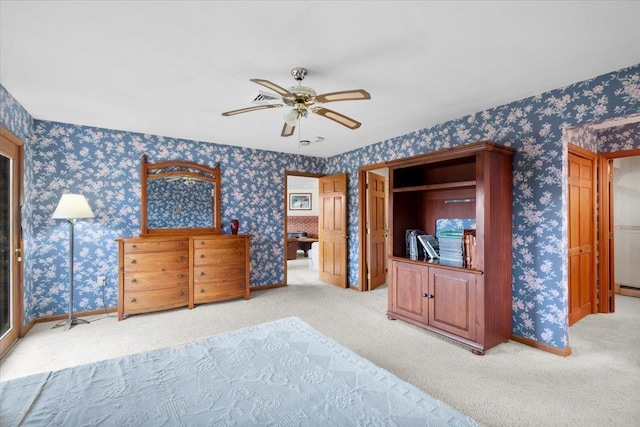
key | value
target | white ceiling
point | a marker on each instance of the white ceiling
(171, 68)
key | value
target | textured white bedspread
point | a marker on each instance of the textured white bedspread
(281, 373)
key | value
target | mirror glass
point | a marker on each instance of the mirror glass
(179, 197)
(180, 202)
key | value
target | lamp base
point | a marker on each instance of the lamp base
(68, 323)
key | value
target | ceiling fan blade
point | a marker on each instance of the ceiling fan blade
(274, 87)
(337, 117)
(248, 109)
(345, 95)
(287, 129)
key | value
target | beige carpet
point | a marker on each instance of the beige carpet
(512, 385)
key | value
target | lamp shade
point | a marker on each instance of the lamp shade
(72, 206)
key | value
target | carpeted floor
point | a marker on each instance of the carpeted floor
(512, 385)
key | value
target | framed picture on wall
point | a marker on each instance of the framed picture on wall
(300, 201)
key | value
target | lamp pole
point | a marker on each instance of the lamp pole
(72, 320)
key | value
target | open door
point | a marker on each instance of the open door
(376, 231)
(606, 303)
(582, 271)
(11, 166)
(333, 229)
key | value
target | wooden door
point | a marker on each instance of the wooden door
(332, 229)
(582, 300)
(11, 166)
(376, 230)
(606, 270)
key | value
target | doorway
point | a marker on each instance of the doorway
(619, 225)
(301, 222)
(626, 219)
(610, 140)
(11, 166)
(332, 237)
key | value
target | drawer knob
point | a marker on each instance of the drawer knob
(133, 300)
(134, 280)
(239, 253)
(181, 258)
(239, 269)
(134, 246)
(133, 261)
(202, 256)
(181, 293)
(240, 286)
(202, 291)
(201, 273)
(426, 295)
(181, 276)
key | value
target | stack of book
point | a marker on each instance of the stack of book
(451, 248)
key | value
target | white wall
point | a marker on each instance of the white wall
(299, 184)
(626, 218)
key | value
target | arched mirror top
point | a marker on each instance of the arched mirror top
(179, 197)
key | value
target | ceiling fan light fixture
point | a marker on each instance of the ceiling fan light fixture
(291, 118)
(302, 100)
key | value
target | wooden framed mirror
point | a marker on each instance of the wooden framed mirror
(179, 198)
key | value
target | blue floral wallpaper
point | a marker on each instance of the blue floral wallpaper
(104, 164)
(620, 138)
(14, 117)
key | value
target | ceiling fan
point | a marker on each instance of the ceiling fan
(303, 99)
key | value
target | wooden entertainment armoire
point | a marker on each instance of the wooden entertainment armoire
(180, 258)
(469, 304)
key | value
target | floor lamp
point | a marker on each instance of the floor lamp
(72, 207)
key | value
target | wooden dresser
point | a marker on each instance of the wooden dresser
(163, 272)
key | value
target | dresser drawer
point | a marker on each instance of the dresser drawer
(218, 291)
(156, 261)
(218, 256)
(218, 243)
(156, 246)
(150, 280)
(159, 299)
(219, 273)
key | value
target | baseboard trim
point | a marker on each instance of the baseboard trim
(266, 287)
(564, 352)
(627, 290)
(35, 321)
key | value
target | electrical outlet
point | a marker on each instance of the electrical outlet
(102, 280)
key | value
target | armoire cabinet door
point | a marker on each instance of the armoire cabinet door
(409, 284)
(453, 306)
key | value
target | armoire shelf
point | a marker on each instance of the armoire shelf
(443, 186)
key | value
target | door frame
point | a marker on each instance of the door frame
(6, 137)
(606, 277)
(363, 284)
(287, 174)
